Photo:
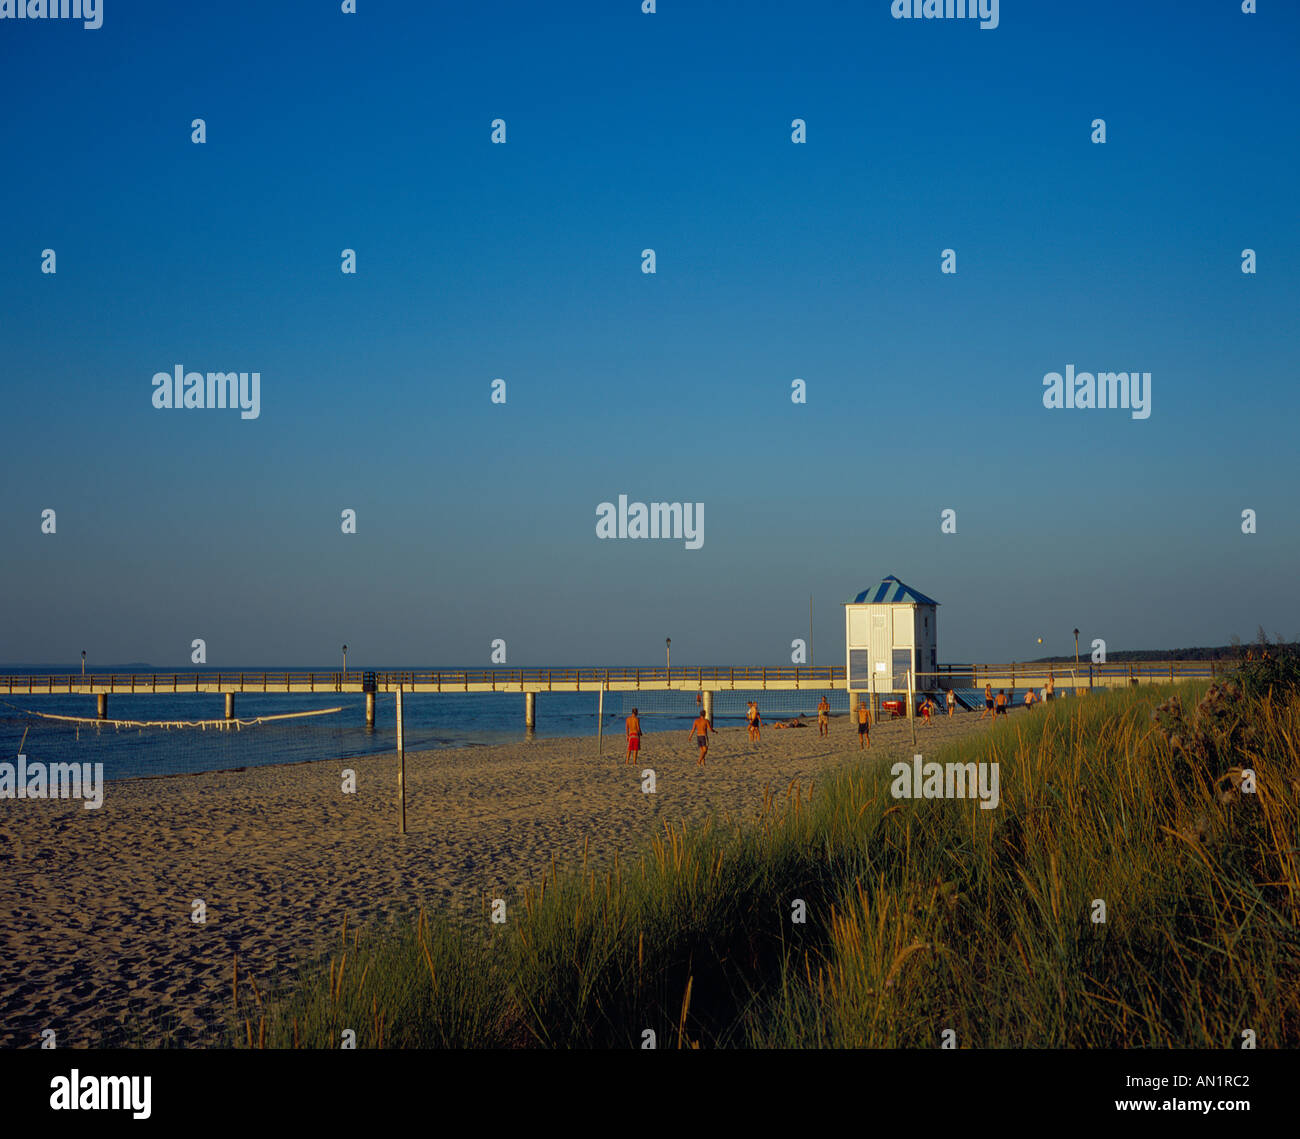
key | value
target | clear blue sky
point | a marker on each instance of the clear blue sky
(775, 261)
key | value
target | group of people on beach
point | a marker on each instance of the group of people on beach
(700, 730)
(703, 726)
(994, 705)
(929, 706)
(997, 705)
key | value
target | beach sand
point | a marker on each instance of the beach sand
(95, 906)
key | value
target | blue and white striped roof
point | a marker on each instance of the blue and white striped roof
(893, 592)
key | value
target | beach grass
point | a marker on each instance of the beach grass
(923, 917)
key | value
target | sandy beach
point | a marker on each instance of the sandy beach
(95, 906)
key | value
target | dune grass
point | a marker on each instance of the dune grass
(921, 914)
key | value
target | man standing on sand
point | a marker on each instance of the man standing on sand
(701, 729)
(823, 716)
(952, 701)
(1000, 709)
(633, 735)
(864, 726)
(988, 701)
(1049, 689)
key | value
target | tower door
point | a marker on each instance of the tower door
(880, 652)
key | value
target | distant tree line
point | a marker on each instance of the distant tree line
(1235, 651)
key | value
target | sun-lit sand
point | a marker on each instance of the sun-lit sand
(95, 906)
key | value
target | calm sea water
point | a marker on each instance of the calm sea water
(434, 720)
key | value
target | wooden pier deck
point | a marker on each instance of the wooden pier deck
(534, 680)
(531, 682)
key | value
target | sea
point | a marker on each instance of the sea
(431, 721)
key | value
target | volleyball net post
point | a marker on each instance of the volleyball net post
(401, 766)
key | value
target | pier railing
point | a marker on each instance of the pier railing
(441, 680)
(1084, 674)
(592, 679)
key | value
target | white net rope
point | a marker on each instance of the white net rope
(221, 725)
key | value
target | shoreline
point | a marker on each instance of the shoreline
(731, 720)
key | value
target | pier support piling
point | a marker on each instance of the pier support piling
(854, 700)
(370, 709)
(530, 710)
(707, 703)
(230, 705)
(101, 705)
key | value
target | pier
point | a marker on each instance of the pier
(532, 681)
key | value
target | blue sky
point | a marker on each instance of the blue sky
(775, 261)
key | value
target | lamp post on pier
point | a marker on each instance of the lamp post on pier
(345, 662)
(668, 647)
(83, 662)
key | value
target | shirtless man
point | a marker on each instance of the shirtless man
(988, 701)
(864, 726)
(823, 717)
(1049, 689)
(633, 735)
(701, 729)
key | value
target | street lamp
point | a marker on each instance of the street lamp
(345, 661)
(83, 662)
(1076, 648)
(668, 645)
